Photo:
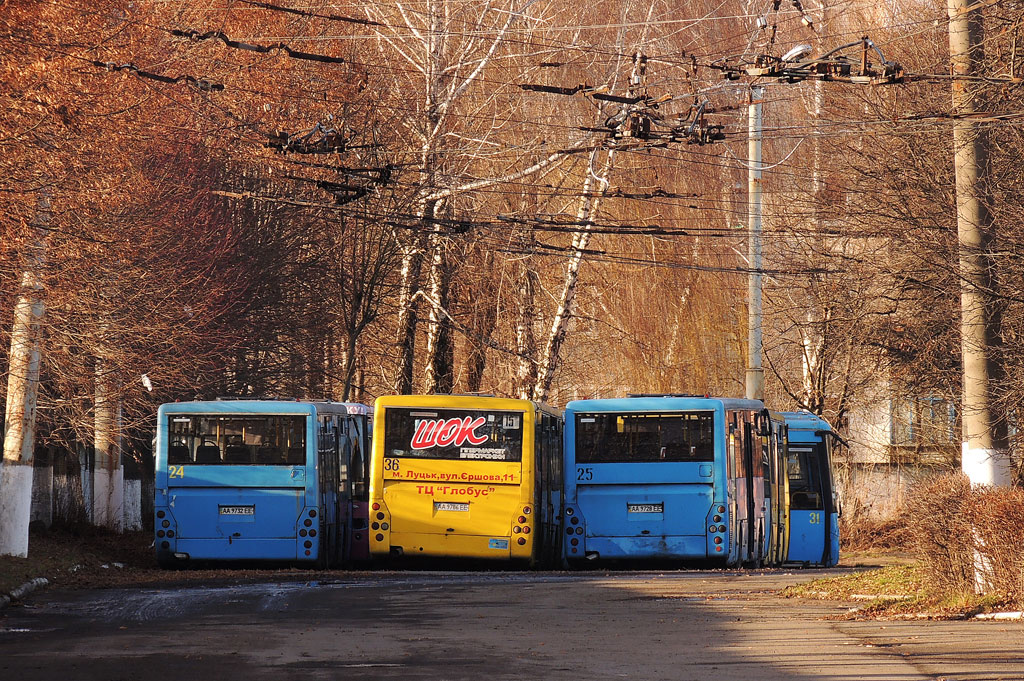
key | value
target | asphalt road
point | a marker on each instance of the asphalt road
(493, 626)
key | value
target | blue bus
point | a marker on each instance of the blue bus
(673, 477)
(261, 480)
(813, 505)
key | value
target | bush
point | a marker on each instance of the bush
(998, 515)
(969, 538)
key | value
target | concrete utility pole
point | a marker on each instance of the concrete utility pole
(985, 457)
(755, 373)
(22, 390)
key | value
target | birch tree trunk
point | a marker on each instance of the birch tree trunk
(526, 339)
(440, 368)
(22, 392)
(587, 211)
(107, 473)
(550, 358)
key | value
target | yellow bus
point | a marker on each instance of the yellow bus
(466, 477)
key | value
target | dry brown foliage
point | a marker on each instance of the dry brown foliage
(969, 538)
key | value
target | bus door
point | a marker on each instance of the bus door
(358, 485)
(549, 485)
(809, 503)
(329, 474)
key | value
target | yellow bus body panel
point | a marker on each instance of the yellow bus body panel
(452, 507)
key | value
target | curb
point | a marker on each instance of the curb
(22, 591)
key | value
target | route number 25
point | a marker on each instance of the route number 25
(584, 473)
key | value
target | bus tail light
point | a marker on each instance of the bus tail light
(527, 510)
(521, 541)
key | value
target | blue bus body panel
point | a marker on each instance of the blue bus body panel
(687, 491)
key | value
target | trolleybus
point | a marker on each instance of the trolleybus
(674, 477)
(466, 477)
(261, 480)
(813, 507)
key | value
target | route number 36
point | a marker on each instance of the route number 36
(391, 465)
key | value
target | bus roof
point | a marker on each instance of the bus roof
(805, 426)
(663, 403)
(262, 407)
(460, 402)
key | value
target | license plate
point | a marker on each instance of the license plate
(236, 510)
(450, 506)
(645, 508)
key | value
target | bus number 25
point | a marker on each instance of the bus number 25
(584, 473)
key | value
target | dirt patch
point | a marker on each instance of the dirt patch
(88, 558)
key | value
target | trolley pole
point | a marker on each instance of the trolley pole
(985, 458)
(755, 372)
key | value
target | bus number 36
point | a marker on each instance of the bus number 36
(584, 473)
(391, 465)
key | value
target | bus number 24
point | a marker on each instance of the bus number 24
(176, 471)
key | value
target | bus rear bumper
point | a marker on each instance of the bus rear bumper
(679, 547)
(236, 550)
(413, 544)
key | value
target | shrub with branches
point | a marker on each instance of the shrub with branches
(969, 538)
